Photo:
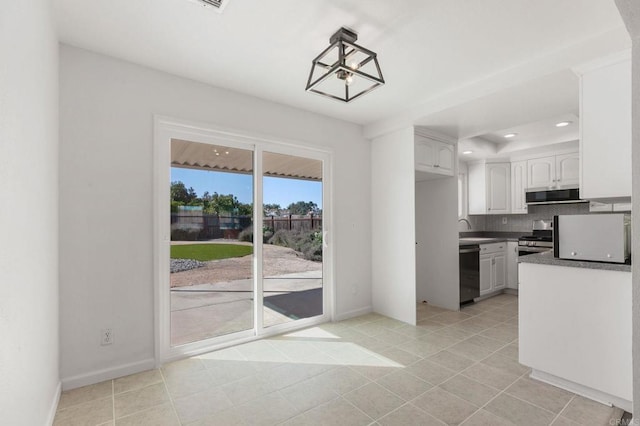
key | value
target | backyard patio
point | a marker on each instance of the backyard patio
(217, 298)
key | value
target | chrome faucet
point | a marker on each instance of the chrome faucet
(465, 221)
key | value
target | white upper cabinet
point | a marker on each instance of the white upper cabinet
(489, 188)
(425, 153)
(498, 188)
(444, 158)
(433, 158)
(518, 187)
(567, 170)
(554, 171)
(605, 127)
(542, 172)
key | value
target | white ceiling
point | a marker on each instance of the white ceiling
(444, 60)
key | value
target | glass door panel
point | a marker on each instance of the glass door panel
(293, 238)
(211, 279)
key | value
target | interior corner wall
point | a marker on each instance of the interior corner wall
(393, 225)
(106, 213)
(29, 370)
(437, 273)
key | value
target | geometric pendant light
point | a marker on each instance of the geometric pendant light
(344, 70)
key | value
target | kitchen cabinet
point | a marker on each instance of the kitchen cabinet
(433, 156)
(567, 170)
(570, 319)
(518, 187)
(512, 265)
(555, 171)
(489, 188)
(605, 127)
(493, 261)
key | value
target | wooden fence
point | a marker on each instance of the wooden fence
(207, 227)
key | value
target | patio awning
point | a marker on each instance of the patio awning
(202, 156)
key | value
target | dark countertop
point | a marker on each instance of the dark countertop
(547, 258)
(470, 238)
(504, 236)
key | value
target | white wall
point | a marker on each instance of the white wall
(630, 12)
(106, 275)
(29, 379)
(393, 225)
(437, 276)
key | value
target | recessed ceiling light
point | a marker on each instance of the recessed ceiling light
(510, 135)
(467, 152)
(563, 123)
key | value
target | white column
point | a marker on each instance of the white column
(630, 12)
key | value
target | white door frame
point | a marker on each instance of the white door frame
(167, 128)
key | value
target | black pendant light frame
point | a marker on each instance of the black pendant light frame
(344, 40)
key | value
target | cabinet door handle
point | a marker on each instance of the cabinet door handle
(436, 165)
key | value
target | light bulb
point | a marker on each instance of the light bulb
(346, 76)
(354, 65)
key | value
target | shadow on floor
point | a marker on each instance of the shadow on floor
(297, 305)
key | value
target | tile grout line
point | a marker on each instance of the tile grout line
(475, 363)
(113, 400)
(166, 388)
(494, 397)
(563, 409)
(456, 373)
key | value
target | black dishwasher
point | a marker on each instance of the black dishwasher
(469, 272)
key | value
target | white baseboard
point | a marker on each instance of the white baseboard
(587, 392)
(511, 291)
(107, 374)
(54, 405)
(355, 313)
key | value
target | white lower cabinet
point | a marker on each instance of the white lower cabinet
(575, 330)
(486, 272)
(493, 267)
(512, 265)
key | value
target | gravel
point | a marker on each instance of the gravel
(179, 265)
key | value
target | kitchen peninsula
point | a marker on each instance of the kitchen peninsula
(575, 326)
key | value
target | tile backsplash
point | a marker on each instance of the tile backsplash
(523, 222)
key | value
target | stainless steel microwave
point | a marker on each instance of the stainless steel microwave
(553, 196)
(593, 237)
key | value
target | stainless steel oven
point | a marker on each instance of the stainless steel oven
(540, 240)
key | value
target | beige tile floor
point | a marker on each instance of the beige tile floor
(452, 368)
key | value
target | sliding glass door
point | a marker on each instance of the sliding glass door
(292, 227)
(243, 246)
(211, 264)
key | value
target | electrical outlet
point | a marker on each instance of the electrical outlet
(106, 336)
(504, 220)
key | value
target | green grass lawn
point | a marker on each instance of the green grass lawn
(205, 252)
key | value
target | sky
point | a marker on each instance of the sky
(276, 190)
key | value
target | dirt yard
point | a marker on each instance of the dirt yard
(277, 261)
